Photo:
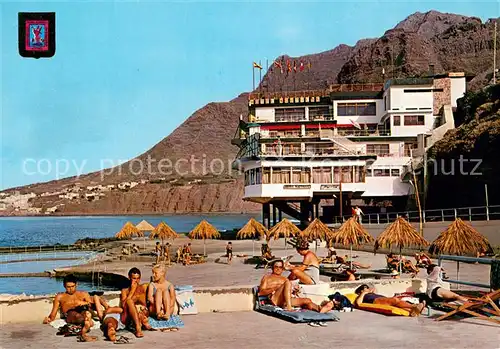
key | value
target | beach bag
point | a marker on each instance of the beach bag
(345, 303)
(185, 300)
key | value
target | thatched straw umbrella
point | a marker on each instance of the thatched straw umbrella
(351, 233)
(317, 230)
(285, 229)
(127, 231)
(142, 227)
(250, 230)
(459, 239)
(163, 232)
(204, 230)
(400, 233)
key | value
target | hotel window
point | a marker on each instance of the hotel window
(414, 120)
(289, 114)
(397, 120)
(381, 172)
(378, 149)
(395, 172)
(247, 178)
(322, 175)
(319, 113)
(336, 175)
(359, 174)
(385, 103)
(266, 175)
(350, 109)
(301, 175)
(258, 176)
(347, 174)
(281, 175)
(408, 148)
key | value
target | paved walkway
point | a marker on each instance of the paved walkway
(238, 273)
(253, 330)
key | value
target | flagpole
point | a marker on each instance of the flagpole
(253, 77)
(260, 76)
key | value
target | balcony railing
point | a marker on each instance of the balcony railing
(362, 133)
(307, 153)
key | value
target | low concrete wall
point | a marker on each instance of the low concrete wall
(208, 299)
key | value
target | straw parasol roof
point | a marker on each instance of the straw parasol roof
(163, 232)
(204, 230)
(127, 231)
(251, 229)
(459, 238)
(144, 226)
(317, 230)
(285, 229)
(400, 233)
(351, 233)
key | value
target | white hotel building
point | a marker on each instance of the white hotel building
(346, 142)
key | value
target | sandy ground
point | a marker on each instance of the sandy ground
(237, 273)
(250, 330)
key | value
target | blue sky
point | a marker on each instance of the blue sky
(126, 74)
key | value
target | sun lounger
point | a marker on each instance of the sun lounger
(378, 308)
(174, 322)
(477, 307)
(296, 316)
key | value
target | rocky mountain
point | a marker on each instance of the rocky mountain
(449, 42)
(467, 157)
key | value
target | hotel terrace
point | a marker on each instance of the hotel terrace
(299, 148)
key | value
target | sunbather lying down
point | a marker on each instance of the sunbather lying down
(279, 291)
(368, 295)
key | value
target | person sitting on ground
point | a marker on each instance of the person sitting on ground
(437, 289)
(340, 260)
(110, 318)
(368, 295)
(125, 251)
(161, 294)
(75, 307)
(279, 291)
(157, 252)
(392, 261)
(308, 272)
(266, 252)
(422, 260)
(135, 248)
(133, 301)
(229, 252)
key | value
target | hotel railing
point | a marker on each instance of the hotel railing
(476, 213)
(463, 259)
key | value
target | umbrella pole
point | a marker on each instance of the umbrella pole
(285, 243)
(253, 247)
(400, 261)
(204, 249)
(458, 268)
(350, 258)
(316, 247)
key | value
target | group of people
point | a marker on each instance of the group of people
(129, 250)
(138, 302)
(283, 291)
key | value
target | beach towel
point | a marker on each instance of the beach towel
(296, 316)
(174, 322)
(61, 322)
(185, 300)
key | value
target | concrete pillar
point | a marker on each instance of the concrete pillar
(266, 215)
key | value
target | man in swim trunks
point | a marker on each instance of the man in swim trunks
(279, 290)
(368, 295)
(75, 307)
(133, 303)
(229, 252)
(308, 271)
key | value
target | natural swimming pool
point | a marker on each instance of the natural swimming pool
(43, 285)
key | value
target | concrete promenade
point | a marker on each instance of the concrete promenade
(250, 330)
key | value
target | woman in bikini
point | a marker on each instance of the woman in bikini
(308, 271)
(161, 295)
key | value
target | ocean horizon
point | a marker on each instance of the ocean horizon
(42, 231)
